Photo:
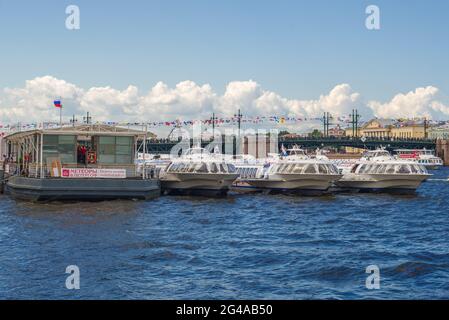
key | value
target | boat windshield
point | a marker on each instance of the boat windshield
(304, 168)
(390, 168)
(201, 167)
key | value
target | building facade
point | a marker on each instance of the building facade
(389, 128)
(441, 132)
(336, 132)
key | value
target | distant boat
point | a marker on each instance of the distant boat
(425, 157)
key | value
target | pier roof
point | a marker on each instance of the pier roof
(85, 129)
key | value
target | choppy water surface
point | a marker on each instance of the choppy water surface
(242, 247)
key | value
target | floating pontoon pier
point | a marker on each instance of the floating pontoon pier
(85, 162)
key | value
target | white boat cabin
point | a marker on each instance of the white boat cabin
(303, 168)
(200, 167)
(388, 168)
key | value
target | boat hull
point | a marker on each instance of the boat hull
(382, 182)
(2, 182)
(297, 183)
(197, 184)
(244, 187)
(59, 189)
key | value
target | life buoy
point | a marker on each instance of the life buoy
(91, 157)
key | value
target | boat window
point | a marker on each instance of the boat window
(213, 167)
(201, 168)
(280, 168)
(370, 168)
(322, 169)
(421, 169)
(231, 168)
(298, 168)
(289, 168)
(173, 167)
(403, 169)
(332, 169)
(362, 168)
(390, 168)
(223, 168)
(310, 168)
(380, 169)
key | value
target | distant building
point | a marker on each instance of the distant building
(336, 132)
(290, 136)
(389, 128)
(349, 132)
(441, 132)
(409, 130)
(377, 128)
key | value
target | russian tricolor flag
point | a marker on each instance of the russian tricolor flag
(57, 103)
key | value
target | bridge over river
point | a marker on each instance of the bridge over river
(164, 146)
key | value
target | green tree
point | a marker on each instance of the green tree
(315, 134)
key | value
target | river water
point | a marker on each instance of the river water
(241, 247)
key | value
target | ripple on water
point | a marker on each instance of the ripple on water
(244, 246)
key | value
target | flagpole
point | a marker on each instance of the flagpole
(60, 113)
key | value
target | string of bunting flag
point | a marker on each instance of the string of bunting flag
(177, 122)
(344, 120)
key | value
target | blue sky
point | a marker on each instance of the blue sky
(304, 57)
(296, 48)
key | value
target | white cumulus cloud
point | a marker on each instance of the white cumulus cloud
(422, 102)
(189, 101)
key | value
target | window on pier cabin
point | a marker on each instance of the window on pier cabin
(115, 150)
(60, 146)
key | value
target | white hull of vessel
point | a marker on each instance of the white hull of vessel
(382, 181)
(294, 182)
(197, 181)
